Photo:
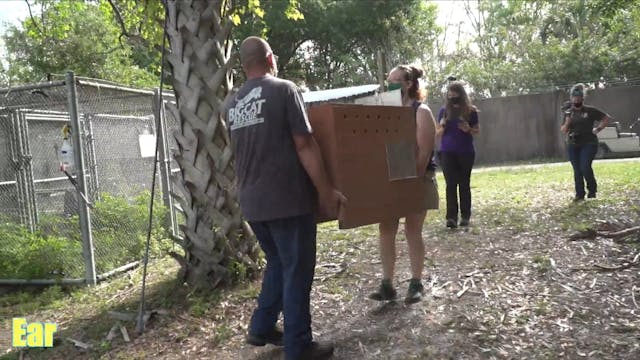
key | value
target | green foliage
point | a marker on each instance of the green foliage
(249, 292)
(141, 29)
(28, 255)
(542, 263)
(119, 229)
(335, 43)
(238, 272)
(117, 40)
(200, 302)
(222, 333)
(517, 46)
(522, 47)
(78, 36)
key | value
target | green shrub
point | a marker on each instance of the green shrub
(27, 255)
(119, 230)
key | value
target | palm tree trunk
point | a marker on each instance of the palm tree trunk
(218, 246)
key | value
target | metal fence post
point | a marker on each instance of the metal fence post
(17, 157)
(28, 169)
(93, 163)
(83, 207)
(163, 157)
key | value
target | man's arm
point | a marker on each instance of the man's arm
(425, 136)
(311, 158)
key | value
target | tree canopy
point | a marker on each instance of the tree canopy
(78, 36)
(335, 43)
(533, 46)
(516, 46)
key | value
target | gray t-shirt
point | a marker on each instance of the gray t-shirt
(262, 118)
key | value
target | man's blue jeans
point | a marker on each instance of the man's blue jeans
(290, 248)
(581, 157)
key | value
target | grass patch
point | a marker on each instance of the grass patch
(335, 243)
(540, 199)
(535, 161)
(29, 301)
(82, 312)
(542, 263)
(541, 308)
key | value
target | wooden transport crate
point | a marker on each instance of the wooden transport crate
(369, 153)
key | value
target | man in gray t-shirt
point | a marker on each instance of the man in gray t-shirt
(273, 183)
(280, 180)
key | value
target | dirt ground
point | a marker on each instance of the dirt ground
(516, 285)
(489, 295)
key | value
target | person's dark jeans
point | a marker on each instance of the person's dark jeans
(581, 157)
(290, 248)
(456, 168)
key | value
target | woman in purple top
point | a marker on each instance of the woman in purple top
(457, 123)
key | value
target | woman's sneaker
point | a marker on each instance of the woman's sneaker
(415, 292)
(385, 292)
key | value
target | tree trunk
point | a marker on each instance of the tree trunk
(219, 247)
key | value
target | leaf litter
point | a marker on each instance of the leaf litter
(517, 284)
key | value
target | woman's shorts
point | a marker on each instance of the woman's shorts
(431, 198)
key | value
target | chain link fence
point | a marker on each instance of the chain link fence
(82, 225)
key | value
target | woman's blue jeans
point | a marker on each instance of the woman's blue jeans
(581, 157)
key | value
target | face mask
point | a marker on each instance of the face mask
(454, 100)
(394, 86)
(577, 104)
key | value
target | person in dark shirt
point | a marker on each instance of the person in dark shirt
(280, 180)
(582, 123)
